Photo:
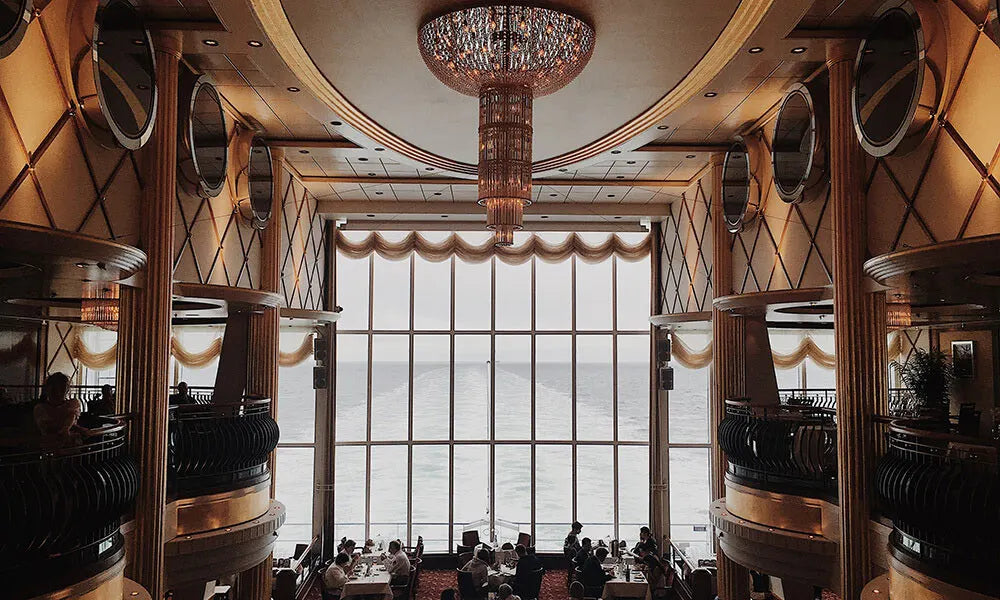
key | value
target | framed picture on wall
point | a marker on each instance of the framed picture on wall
(963, 359)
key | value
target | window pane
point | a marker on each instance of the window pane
(431, 386)
(349, 493)
(593, 295)
(553, 496)
(783, 342)
(553, 299)
(689, 492)
(390, 387)
(472, 407)
(432, 294)
(513, 296)
(513, 491)
(391, 294)
(818, 377)
(430, 497)
(198, 339)
(633, 387)
(472, 474)
(352, 292)
(688, 403)
(633, 491)
(595, 492)
(293, 487)
(594, 387)
(297, 417)
(388, 493)
(632, 279)
(473, 293)
(553, 387)
(352, 387)
(513, 387)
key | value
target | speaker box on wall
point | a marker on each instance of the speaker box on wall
(319, 378)
(319, 350)
(666, 378)
(663, 349)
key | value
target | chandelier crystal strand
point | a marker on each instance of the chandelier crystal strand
(101, 308)
(507, 56)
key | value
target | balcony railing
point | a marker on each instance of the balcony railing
(61, 509)
(217, 447)
(900, 401)
(942, 492)
(781, 448)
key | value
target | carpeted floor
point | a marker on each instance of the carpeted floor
(432, 583)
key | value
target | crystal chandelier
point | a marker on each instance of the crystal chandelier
(506, 56)
(100, 308)
(899, 315)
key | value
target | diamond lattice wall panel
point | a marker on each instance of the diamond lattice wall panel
(788, 246)
(303, 249)
(947, 188)
(686, 252)
(52, 173)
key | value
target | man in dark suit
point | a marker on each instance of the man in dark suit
(526, 563)
(593, 576)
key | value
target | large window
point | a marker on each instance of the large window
(490, 396)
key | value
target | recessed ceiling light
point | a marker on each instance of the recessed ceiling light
(362, 159)
(611, 195)
(621, 177)
(210, 42)
(428, 168)
(617, 217)
(563, 170)
(553, 195)
(142, 42)
(711, 94)
(629, 162)
(662, 127)
(544, 217)
(690, 156)
(444, 216)
(379, 149)
(616, 152)
(437, 193)
(336, 123)
(303, 152)
(371, 174)
(371, 215)
(83, 265)
(378, 193)
(755, 50)
(255, 43)
(798, 49)
(293, 89)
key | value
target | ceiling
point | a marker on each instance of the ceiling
(367, 50)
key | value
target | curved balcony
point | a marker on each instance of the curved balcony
(784, 448)
(942, 492)
(61, 509)
(220, 446)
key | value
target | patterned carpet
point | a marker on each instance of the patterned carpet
(432, 583)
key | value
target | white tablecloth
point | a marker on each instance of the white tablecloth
(619, 588)
(375, 584)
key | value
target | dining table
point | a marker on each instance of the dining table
(500, 575)
(635, 587)
(368, 581)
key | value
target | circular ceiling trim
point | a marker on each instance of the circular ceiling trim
(114, 74)
(798, 150)
(202, 155)
(13, 28)
(272, 18)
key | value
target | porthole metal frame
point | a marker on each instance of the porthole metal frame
(992, 27)
(736, 225)
(923, 16)
(816, 166)
(90, 98)
(10, 39)
(189, 176)
(258, 219)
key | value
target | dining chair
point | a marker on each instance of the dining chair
(467, 588)
(532, 586)
(524, 539)
(470, 538)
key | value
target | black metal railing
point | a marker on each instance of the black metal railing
(942, 492)
(217, 447)
(22, 395)
(61, 508)
(900, 399)
(781, 448)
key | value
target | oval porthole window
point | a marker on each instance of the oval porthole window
(895, 92)
(116, 77)
(736, 186)
(798, 153)
(15, 15)
(261, 184)
(203, 147)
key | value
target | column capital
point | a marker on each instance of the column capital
(167, 42)
(840, 50)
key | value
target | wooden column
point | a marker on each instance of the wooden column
(728, 357)
(859, 318)
(144, 336)
(659, 460)
(255, 583)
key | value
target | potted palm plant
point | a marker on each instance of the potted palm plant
(928, 377)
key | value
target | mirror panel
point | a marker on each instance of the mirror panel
(261, 183)
(797, 152)
(735, 186)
